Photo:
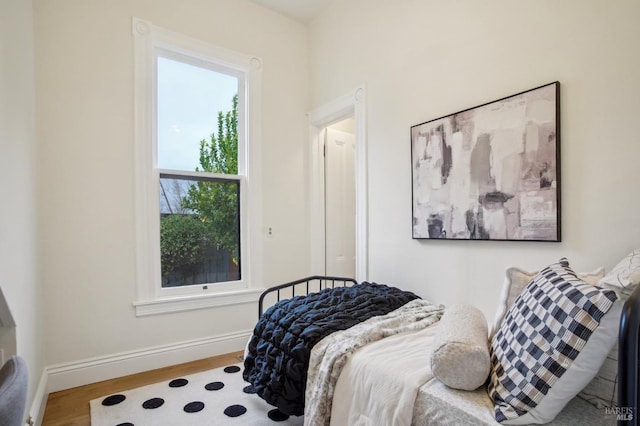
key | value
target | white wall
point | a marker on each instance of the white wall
(419, 59)
(18, 225)
(84, 53)
(423, 59)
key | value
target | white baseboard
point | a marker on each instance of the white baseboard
(65, 376)
(36, 412)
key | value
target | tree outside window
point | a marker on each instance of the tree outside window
(200, 216)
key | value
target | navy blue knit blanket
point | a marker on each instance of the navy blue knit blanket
(279, 350)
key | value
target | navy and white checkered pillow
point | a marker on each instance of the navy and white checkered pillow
(542, 334)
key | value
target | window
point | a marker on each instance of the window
(199, 230)
(196, 141)
(199, 211)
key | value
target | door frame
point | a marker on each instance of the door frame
(352, 104)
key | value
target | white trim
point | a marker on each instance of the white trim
(93, 370)
(6, 319)
(69, 375)
(36, 411)
(147, 38)
(353, 104)
(199, 174)
(185, 303)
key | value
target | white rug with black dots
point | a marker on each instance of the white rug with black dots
(214, 397)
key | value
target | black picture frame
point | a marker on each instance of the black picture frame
(491, 172)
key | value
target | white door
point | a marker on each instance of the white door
(340, 205)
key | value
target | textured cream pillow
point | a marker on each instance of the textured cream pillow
(460, 357)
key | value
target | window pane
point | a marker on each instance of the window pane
(189, 101)
(199, 230)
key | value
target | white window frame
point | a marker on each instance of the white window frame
(150, 42)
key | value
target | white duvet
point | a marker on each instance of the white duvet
(369, 374)
(379, 384)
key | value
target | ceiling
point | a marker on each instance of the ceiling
(300, 10)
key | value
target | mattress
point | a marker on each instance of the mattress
(437, 404)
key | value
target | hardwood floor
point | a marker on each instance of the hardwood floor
(71, 407)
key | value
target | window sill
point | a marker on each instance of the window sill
(189, 303)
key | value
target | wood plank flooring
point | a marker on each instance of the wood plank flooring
(71, 407)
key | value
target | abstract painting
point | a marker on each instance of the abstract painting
(490, 172)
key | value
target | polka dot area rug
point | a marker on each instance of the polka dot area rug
(214, 397)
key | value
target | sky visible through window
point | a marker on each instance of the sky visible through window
(189, 99)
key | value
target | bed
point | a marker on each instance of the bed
(393, 361)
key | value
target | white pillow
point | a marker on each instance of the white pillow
(551, 343)
(625, 276)
(460, 357)
(516, 279)
(602, 391)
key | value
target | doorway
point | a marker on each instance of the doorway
(340, 199)
(350, 106)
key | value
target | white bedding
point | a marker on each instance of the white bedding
(439, 405)
(379, 383)
(389, 382)
(331, 354)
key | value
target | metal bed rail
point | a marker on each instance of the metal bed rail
(628, 341)
(306, 284)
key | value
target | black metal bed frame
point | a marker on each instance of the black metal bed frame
(628, 341)
(322, 283)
